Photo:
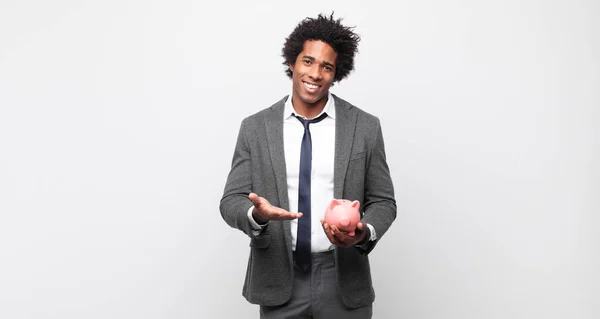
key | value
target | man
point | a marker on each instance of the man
(286, 170)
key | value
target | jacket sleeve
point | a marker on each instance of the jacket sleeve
(379, 203)
(235, 202)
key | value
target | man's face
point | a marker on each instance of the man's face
(313, 72)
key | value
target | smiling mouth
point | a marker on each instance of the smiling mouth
(311, 86)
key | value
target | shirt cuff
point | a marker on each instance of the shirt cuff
(255, 227)
(373, 234)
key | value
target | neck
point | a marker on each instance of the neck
(308, 110)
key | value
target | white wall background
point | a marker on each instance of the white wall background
(118, 121)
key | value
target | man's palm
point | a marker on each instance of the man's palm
(264, 211)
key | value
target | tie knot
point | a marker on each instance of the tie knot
(305, 122)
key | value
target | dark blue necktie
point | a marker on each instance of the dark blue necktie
(304, 229)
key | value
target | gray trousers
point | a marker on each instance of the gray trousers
(316, 295)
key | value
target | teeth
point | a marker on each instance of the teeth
(312, 86)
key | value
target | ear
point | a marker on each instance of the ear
(291, 67)
(356, 204)
(334, 202)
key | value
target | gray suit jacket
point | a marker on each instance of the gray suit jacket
(360, 173)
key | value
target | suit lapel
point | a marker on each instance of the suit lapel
(344, 136)
(274, 127)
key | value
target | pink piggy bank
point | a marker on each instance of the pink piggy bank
(343, 214)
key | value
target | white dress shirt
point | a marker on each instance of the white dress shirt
(323, 154)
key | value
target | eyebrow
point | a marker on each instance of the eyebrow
(313, 59)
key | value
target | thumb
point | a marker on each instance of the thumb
(254, 198)
(361, 226)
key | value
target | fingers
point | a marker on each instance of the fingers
(341, 238)
(330, 234)
(277, 213)
(282, 214)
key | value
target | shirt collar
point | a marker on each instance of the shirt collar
(329, 107)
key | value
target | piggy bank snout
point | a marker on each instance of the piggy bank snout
(345, 221)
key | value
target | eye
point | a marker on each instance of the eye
(328, 68)
(307, 61)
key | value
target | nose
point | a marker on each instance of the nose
(315, 72)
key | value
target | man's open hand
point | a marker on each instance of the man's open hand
(263, 210)
(342, 239)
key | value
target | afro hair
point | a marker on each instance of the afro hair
(341, 38)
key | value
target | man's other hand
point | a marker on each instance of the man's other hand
(342, 239)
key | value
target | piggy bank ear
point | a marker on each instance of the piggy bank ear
(333, 203)
(355, 204)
